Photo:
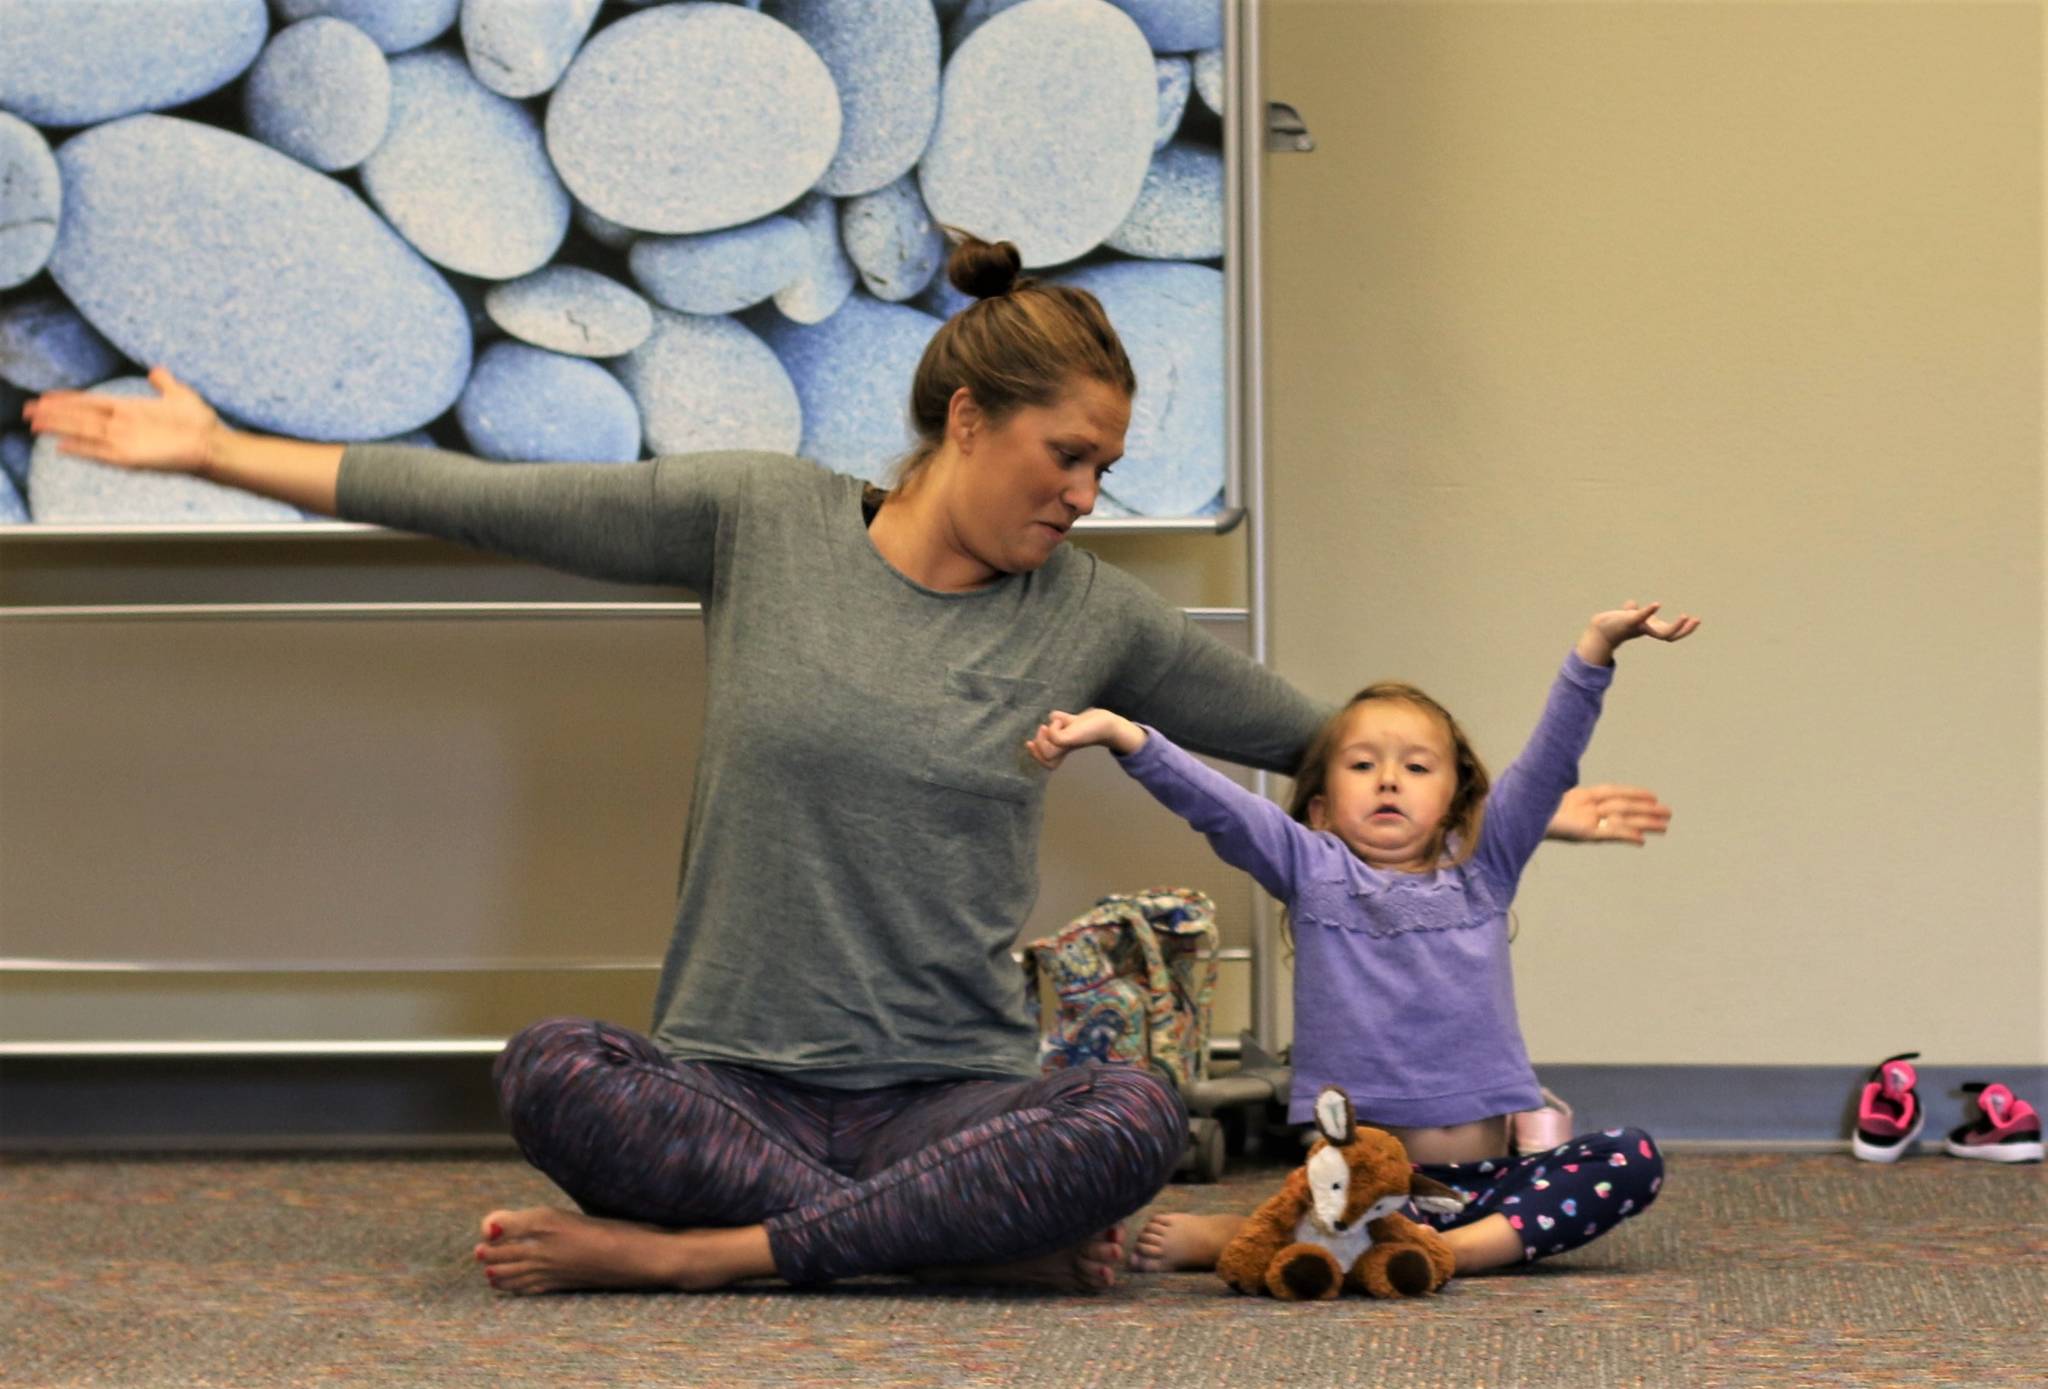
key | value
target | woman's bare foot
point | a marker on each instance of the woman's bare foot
(1088, 1267)
(544, 1250)
(1180, 1240)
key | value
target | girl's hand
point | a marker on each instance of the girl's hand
(1608, 814)
(172, 430)
(1062, 733)
(1610, 629)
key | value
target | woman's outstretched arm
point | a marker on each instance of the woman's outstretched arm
(628, 522)
(177, 431)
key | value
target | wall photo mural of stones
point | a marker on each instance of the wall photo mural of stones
(590, 229)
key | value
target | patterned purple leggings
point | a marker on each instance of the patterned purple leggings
(847, 1181)
(1560, 1199)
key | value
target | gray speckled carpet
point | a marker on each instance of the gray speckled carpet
(1752, 1269)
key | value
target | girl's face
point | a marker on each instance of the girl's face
(1031, 477)
(1389, 784)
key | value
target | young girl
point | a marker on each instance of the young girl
(1397, 867)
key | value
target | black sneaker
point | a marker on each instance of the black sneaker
(2006, 1128)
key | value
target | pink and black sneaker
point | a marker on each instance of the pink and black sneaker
(1889, 1116)
(2006, 1128)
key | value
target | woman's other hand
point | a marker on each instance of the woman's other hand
(173, 430)
(1608, 814)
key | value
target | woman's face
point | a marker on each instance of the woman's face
(1029, 478)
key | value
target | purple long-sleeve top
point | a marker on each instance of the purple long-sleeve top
(1403, 991)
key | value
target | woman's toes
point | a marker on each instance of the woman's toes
(509, 1277)
(498, 1256)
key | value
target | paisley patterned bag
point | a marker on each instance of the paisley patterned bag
(1132, 981)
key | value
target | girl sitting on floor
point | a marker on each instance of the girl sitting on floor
(1397, 865)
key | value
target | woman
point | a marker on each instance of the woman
(840, 1078)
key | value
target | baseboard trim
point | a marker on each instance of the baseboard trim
(1762, 1105)
(445, 1103)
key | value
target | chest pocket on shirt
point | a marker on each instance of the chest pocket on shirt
(978, 732)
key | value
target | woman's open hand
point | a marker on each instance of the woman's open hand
(171, 430)
(1062, 733)
(1608, 814)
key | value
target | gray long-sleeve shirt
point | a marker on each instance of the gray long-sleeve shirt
(861, 850)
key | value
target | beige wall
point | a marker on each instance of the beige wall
(1735, 306)
(368, 827)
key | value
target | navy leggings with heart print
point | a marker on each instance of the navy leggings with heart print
(848, 1182)
(1559, 1199)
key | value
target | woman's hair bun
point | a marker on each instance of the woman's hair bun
(983, 269)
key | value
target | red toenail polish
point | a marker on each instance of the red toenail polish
(497, 1231)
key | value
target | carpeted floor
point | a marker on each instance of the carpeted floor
(1752, 1269)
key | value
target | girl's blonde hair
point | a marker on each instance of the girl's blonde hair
(1468, 798)
(1021, 343)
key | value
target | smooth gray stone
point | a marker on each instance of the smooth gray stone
(525, 403)
(520, 48)
(1179, 213)
(1170, 317)
(1209, 74)
(397, 26)
(892, 241)
(852, 375)
(722, 271)
(46, 345)
(884, 57)
(1176, 77)
(1177, 26)
(65, 490)
(463, 174)
(275, 291)
(827, 275)
(77, 62)
(693, 117)
(320, 93)
(1045, 128)
(708, 383)
(566, 308)
(603, 230)
(31, 199)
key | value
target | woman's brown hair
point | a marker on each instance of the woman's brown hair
(1468, 798)
(1019, 345)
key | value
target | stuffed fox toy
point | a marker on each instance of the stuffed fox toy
(1336, 1224)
